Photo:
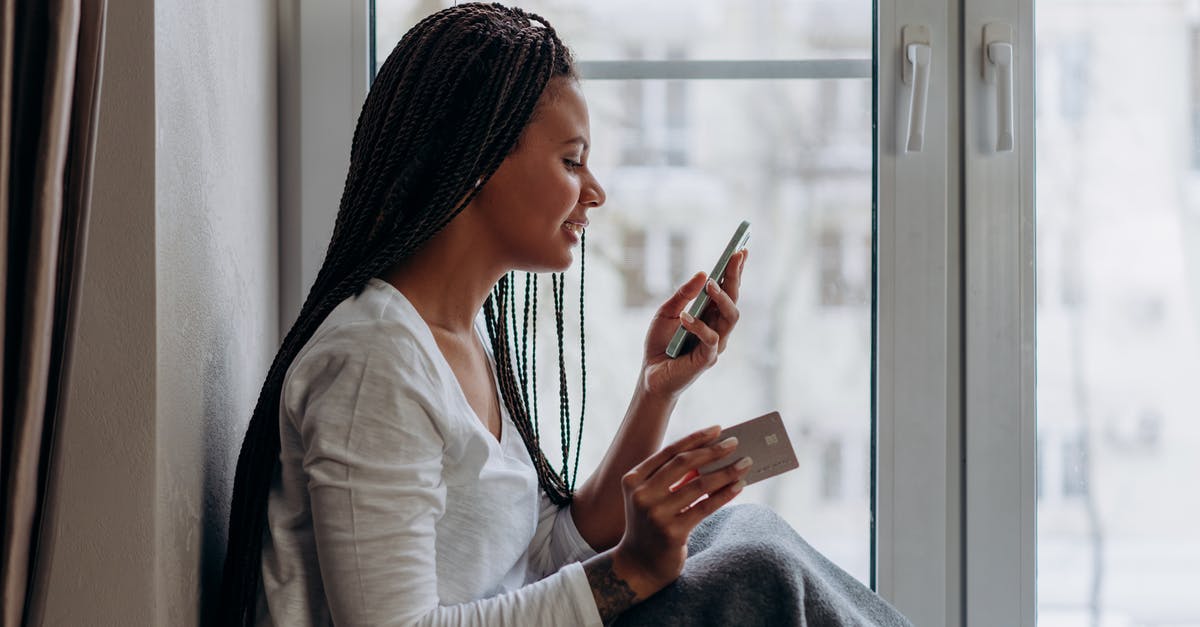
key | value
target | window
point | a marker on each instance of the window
(831, 471)
(651, 264)
(634, 269)
(795, 112)
(655, 120)
(1118, 348)
(1073, 56)
(1075, 467)
(845, 268)
(1194, 89)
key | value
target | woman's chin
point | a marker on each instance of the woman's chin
(565, 264)
(560, 266)
(558, 263)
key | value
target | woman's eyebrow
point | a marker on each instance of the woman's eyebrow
(578, 139)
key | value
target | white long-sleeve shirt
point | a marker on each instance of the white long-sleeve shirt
(393, 504)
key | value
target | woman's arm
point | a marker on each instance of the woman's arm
(370, 441)
(598, 508)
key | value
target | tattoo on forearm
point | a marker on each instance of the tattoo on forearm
(613, 594)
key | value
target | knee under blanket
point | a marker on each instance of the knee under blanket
(746, 566)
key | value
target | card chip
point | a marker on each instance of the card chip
(772, 439)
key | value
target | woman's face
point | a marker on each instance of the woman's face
(536, 204)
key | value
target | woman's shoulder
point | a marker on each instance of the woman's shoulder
(384, 342)
(371, 330)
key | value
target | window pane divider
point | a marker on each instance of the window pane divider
(747, 69)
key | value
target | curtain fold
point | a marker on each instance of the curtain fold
(50, 67)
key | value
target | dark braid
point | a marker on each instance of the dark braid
(533, 348)
(582, 358)
(446, 108)
(558, 282)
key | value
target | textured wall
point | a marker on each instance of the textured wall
(178, 312)
(217, 291)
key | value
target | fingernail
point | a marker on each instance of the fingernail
(737, 487)
(687, 317)
(712, 284)
(743, 463)
(728, 444)
(710, 430)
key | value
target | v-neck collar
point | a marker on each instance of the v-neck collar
(425, 335)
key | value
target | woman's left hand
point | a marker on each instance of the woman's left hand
(664, 376)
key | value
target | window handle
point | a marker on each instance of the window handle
(998, 69)
(917, 57)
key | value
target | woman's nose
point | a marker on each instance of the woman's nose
(592, 194)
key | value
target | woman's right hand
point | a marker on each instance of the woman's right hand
(665, 499)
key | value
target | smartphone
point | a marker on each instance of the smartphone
(683, 341)
(765, 441)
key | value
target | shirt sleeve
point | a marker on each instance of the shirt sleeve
(373, 465)
(556, 542)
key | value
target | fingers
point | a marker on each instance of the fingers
(727, 314)
(665, 498)
(732, 282)
(643, 471)
(691, 474)
(674, 470)
(709, 483)
(701, 510)
(730, 285)
(726, 306)
(710, 340)
(682, 296)
(724, 316)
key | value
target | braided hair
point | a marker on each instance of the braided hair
(445, 109)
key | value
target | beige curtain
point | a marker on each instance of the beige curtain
(50, 66)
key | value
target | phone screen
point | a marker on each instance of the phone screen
(683, 341)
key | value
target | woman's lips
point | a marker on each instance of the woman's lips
(574, 229)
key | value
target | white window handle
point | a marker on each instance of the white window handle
(919, 55)
(915, 73)
(998, 69)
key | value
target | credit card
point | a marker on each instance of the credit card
(765, 441)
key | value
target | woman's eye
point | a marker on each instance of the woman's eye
(572, 164)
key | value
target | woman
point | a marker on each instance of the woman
(390, 473)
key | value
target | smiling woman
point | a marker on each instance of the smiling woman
(392, 473)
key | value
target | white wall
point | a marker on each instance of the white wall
(178, 317)
(216, 280)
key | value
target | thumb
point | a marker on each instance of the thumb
(682, 296)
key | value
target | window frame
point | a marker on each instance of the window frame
(1000, 313)
(919, 548)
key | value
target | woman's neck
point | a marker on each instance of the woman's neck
(448, 279)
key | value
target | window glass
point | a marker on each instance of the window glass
(1118, 230)
(618, 30)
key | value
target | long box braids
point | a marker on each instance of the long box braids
(447, 106)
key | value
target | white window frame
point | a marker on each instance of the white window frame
(1000, 435)
(954, 388)
(324, 73)
(918, 346)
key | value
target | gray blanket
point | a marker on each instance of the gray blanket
(746, 566)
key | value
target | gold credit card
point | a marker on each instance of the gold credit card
(765, 441)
